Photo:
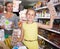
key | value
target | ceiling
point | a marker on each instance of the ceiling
(25, 2)
(29, 2)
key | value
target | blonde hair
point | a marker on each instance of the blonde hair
(29, 10)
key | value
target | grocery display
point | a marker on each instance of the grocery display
(50, 36)
(47, 38)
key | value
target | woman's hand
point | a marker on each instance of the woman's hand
(3, 27)
(12, 25)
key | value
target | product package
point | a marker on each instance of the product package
(16, 34)
(15, 43)
(2, 35)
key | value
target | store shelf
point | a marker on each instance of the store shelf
(53, 31)
(48, 41)
(58, 17)
(41, 8)
(43, 17)
(56, 3)
(46, 6)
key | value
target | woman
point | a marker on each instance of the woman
(10, 19)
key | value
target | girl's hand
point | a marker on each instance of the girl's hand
(52, 10)
(20, 24)
(19, 40)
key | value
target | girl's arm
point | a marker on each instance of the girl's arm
(22, 36)
(52, 16)
(22, 31)
(46, 26)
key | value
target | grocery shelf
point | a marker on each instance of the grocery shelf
(58, 17)
(48, 41)
(43, 17)
(46, 6)
(53, 31)
(56, 3)
(41, 8)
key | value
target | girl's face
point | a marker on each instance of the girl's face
(9, 7)
(30, 15)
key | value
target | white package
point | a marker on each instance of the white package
(22, 47)
(2, 35)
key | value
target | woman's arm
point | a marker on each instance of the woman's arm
(2, 27)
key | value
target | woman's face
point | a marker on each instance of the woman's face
(30, 15)
(9, 7)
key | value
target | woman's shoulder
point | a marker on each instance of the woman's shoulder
(1, 14)
(15, 15)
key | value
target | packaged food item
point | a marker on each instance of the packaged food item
(16, 5)
(7, 42)
(44, 3)
(37, 5)
(2, 35)
(54, 1)
(16, 34)
(58, 0)
(22, 15)
(21, 47)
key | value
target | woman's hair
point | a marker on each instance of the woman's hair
(30, 9)
(7, 3)
(48, 1)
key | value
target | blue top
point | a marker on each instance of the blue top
(13, 19)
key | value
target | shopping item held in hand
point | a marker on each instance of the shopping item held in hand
(21, 47)
(15, 36)
(2, 35)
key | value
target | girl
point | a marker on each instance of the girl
(30, 29)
